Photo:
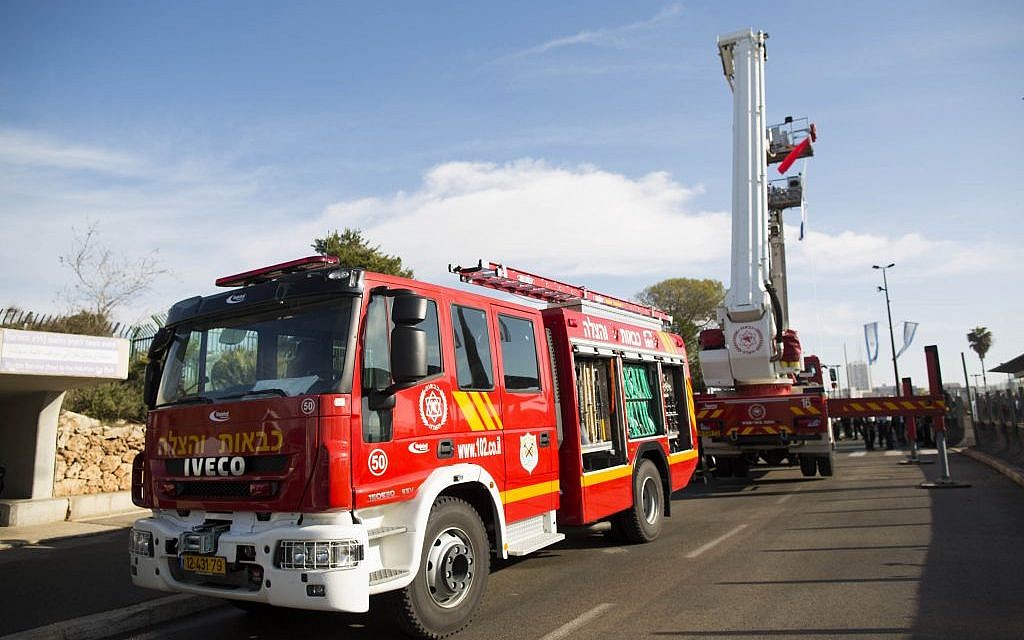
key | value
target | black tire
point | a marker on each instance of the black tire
(454, 564)
(723, 466)
(825, 466)
(644, 521)
(740, 467)
(808, 466)
(774, 457)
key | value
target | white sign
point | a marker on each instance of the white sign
(62, 354)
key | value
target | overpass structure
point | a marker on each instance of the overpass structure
(36, 370)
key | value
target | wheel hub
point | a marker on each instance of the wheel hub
(649, 496)
(450, 567)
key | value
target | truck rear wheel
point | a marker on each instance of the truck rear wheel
(723, 466)
(452, 577)
(825, 466)
(643, 522)
(808, 466)
(740, 467)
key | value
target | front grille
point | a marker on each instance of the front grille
(212, 489)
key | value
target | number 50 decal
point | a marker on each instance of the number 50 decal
(378, 462)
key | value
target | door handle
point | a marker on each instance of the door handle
(445, 449)
(545, 439)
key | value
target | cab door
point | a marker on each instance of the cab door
(527, 415)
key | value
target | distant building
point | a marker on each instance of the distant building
(859, 376)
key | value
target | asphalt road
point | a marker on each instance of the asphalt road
(66, 578)
(865, 554)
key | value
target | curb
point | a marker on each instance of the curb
(1008, 470)
(126, 620)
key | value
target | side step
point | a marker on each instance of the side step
(533, 543)
(386, 575)
(382, 532)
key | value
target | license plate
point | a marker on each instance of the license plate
(206, 565)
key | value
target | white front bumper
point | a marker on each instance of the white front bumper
(344, 589)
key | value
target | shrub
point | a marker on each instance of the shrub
(112, 401)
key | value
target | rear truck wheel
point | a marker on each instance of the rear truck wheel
(808, 466)
(723, 466)
(774, 457)
(825, 466)
(454, 563)
(643, 522)
(740, 467)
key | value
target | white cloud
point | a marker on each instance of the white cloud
(20, 148)
(558, 220)
(617, 37)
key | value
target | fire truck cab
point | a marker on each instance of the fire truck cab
(320, 434)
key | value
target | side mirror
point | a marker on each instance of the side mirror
(152, 382)
(161, 341)
(408, 354)
(408, 309)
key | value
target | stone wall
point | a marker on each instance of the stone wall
(93, 457)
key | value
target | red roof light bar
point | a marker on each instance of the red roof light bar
(265, 274)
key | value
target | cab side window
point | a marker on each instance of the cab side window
(376, 374)
(519, 354)
(472, 348)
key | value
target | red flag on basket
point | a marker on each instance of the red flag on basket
(793, 155)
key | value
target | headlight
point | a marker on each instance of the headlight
(140, 543)
(318, 554)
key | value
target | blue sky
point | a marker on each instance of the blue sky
(583, 140)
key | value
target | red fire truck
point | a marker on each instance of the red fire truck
(320, 434)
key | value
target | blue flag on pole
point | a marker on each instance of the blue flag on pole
(871, 340)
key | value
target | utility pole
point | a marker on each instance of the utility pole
(888, 311)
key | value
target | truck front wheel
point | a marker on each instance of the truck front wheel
(454, 564)
(643, 522)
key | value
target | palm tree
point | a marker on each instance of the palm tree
(980, 339)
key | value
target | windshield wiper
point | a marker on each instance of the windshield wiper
(257, 392)
(187, 400)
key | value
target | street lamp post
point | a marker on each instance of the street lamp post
(888, 311)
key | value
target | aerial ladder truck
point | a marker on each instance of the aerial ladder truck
(764, 402)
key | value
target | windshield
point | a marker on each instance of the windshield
(286, 351)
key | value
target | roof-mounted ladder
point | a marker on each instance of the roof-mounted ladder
(502, 278)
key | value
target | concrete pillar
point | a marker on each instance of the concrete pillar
(28, 443)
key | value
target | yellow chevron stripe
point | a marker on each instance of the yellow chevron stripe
(874, 406)
(857, 406)
(690, 406)
(797, 411)
(717, 413)
(590, 479)
(495, 416)
(814, 411)
(891, 405)
(909, 405)
(703, 413)
(481, 408)
(531, 491)
(462, 398)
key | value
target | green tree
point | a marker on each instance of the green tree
(980, 339)
(355, 251)
(693, 304)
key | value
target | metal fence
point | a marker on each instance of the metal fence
(999, 424)
(139, 335)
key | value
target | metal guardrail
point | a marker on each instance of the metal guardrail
(999, 425)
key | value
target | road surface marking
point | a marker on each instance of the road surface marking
(696, 552)
(570, 627)
(857, 454)
(784, 498)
